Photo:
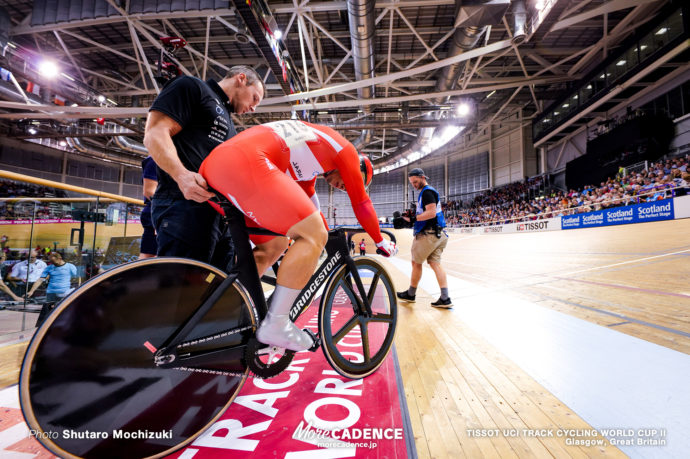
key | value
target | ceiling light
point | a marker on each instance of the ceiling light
(463, 109)
(620, 62)
(661, 31)
(32, 130)
(539, 4)
(566, 105)
(112, 101)
(63, 143)
(556, 113)
(491, 94)
(48, 69)
(277, 34)
(75, 105)
(12, 45)
(589, 86)
(67, 76)
(643, 47)
(101, 98)
(546, 120)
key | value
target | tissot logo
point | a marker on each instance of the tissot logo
(533, 226)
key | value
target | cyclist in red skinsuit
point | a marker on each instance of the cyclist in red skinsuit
(269, 172)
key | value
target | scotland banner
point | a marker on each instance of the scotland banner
(638, 213)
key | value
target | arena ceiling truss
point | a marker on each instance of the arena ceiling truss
(507, 71)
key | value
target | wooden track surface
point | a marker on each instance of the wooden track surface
(631, 278)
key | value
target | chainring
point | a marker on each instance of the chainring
(266, 368)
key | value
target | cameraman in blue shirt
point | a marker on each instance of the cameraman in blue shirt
(429, 239)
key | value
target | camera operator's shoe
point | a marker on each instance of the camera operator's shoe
(405, 296)
(443, 304)
(278, 330)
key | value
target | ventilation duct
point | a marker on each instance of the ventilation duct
(127, 144)
(519, 22)
(362, 32)
(91, 152)
(479, 13)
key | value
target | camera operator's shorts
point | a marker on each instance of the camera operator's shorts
(428, 247)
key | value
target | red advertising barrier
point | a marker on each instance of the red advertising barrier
(306, 411)
(311, 411)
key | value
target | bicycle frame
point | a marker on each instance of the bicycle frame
(337, 254)
(245, 271)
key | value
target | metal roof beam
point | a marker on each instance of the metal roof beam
(393, 76)
(607, 7)
(58, 112)
(25, 29)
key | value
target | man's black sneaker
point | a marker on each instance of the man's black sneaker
(445, 304)
(406, 297)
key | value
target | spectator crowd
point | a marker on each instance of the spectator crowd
(514, 202)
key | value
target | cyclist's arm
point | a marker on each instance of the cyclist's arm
(309, 187)
(347, 162)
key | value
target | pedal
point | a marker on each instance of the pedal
(317, 341)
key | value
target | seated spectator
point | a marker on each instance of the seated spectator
(3, 273)
(26, 272)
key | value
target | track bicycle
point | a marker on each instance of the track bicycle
(141, 359)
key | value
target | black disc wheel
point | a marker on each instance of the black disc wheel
(89, 386)
(355, 342)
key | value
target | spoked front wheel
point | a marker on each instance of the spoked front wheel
(354, 342)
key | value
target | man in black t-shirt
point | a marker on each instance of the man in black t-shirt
(188, 119)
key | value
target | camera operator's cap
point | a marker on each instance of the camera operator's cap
(417, 172)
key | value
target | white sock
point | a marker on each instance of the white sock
(282, 300)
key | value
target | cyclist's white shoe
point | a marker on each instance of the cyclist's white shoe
(279, 330)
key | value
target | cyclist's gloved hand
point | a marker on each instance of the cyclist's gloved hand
(386, 248)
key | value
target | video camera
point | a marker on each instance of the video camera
(399, 222)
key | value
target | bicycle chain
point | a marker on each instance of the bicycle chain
(210, 371)
(283, 361)
(222, 334)
(249, 374)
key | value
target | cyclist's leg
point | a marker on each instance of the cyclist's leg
(310, 237)
(273, 200)
(268, 249)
